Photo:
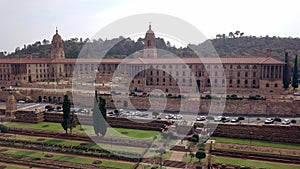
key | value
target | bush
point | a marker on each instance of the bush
(210, 118)
(3, 128)
(277, 119)
(97, 162)
(48, 155)
(293, 121)
(195, 138)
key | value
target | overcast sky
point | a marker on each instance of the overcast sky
(27, 21)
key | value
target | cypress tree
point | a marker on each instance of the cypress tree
(66, 113)
(286, 77)
(295, 74)
(99, 115)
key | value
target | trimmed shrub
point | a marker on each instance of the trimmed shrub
(3, 128)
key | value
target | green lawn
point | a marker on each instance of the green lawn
(80, 160)
(252, 163)
(194, 159)
(256, 143)
(11, 166)
(115, 132)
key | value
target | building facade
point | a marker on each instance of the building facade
(149, 71)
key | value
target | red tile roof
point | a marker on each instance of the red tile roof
(240, 60)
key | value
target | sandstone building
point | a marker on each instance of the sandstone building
(149, 71)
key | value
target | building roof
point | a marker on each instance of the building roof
(208, 60)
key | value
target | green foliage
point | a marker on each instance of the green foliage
(210, 118)
(155, 114)
(256, 97)
(66, 113)
(117, 112)
(200, 155)
(295, 74)
(3, 128)
(99, 116)
(195, 138)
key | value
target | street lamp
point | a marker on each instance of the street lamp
(250, 134)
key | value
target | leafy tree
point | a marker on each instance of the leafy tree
(99, 116)
(155, 114)
(237, 33)
(286, 77)
(295, 74)
(66, 113)
(200, 155)
(117, 112)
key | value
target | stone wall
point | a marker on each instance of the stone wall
(272, 107)
(233, 107)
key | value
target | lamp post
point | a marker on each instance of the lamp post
(250, 134)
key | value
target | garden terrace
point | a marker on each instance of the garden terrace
(257, 156)
(286, 134)
(60, 135)
(79, 150)
(51, 160)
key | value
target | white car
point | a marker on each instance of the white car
(170, 116)
(218, 118)
(206, 92)
(286, 121)
(297, 94)
(178, 117)
(269, 121)
(201, 118)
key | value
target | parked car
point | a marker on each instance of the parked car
(111, 113)
(201, 118)
(21, 101)
(218, 118)
(225, 119)
(286, 121)
(297, 94)
(269, 121)
(170, 116)
(178, 117)
(235, 120)
(206, 92)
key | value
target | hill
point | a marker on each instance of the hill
(122, 47)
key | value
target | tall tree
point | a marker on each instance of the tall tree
(286, 76)
(66, 113)
(295, 74)
(99, 115)
(237, 33)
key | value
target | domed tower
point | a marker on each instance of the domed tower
(57, 47)
(150, 44)
(56, 70)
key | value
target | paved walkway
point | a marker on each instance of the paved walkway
(177, 155)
